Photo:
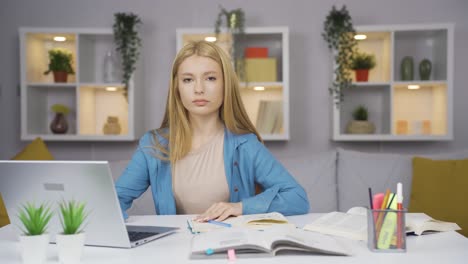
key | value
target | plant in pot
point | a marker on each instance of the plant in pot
(361, 63)
(235, 23)
(360, 123)
(71, 241)
(34, 240)
(128, 43)
(60, 64)
(339, 34)
(59, 124)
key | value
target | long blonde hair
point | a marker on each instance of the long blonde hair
(175, 127)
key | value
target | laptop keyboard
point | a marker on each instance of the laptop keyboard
(135, 236)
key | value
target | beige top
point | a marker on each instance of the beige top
(199, 179)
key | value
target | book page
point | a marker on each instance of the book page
(352, 226)
(253, 221)
(420, 223)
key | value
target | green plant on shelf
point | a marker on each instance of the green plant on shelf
(34, 219)
(362, 60)
(360, 113)
(60, 60)
(60, 108)
(72, 216)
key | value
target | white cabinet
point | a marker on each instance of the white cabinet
(90, 99)
(266, 92)
(403, 109)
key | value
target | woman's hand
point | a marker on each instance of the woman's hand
(220, 211)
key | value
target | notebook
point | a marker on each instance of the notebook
(85, 181)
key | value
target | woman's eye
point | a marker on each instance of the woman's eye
(186, 80)
(212, 78)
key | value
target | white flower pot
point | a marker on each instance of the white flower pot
(70, 247)
(34, 248)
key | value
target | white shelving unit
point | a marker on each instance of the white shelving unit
(276, 39)
(85, 93)
(400, 113)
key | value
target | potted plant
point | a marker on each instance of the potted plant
(360, 124)
(59, 124)
(71, 241)
(34, 240)
(235, 23)
(339, 34)
(128, 43)
(60, 64)
(361, 63)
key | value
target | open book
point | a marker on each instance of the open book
(253, 221)
(270, 242)
(353, 224)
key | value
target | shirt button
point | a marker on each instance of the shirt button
(235, 163)
(236, 189)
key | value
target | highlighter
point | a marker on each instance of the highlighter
(388, 228)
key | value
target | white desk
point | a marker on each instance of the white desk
(448, 247)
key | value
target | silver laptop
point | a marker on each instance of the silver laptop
(85, 181)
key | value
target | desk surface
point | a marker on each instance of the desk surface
(447, 247)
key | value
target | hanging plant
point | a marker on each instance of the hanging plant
(127, 42)
(235, 23)
(339, 34)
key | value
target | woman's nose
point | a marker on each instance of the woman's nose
(199, 88)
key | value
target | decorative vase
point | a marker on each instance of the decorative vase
(360, 127)
(60, 76)
(59, 124)
(425, 67)
(70, 247)
(407, 69)
(109, 75)
(362, 75)
(34, 248)
(112, 126)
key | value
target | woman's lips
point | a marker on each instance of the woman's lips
(200, 102)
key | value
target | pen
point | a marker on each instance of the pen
(219, 223)
(399, 207)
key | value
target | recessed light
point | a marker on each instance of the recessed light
(413, 86)
(60, 38)
(360, 37)
(259, 88)
(111, 89)
(210, 39)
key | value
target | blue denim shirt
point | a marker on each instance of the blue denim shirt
(247, 162)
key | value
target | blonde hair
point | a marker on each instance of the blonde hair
(175, 127)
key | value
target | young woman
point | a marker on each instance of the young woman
(207, 157)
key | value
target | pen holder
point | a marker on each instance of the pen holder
(386, 230)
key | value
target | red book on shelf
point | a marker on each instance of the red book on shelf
(256, 52)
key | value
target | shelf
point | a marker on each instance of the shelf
(379, 44)
(387, 137)
(52, 85)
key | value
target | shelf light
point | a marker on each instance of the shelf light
(111, 89)
(413, 87)
(210, 39)
(60, 38)
(259, 88)
(360, 37)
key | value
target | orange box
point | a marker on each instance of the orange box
(402, 127)
(426, 129)
(256, 52)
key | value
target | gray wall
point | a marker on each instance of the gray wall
(309, 62)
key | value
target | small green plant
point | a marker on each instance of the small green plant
(360, 113)
(60, 108)
(362, 60)
(34, 219)
(72, 216)
(60, 60)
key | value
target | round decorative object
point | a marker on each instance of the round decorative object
(407, 69)
(112, 126)
(59, 124)
(425, 68)
(360, 127)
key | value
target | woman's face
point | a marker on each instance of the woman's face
(201, 85)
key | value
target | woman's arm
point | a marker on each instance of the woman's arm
(134, 180)
(281, 192)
